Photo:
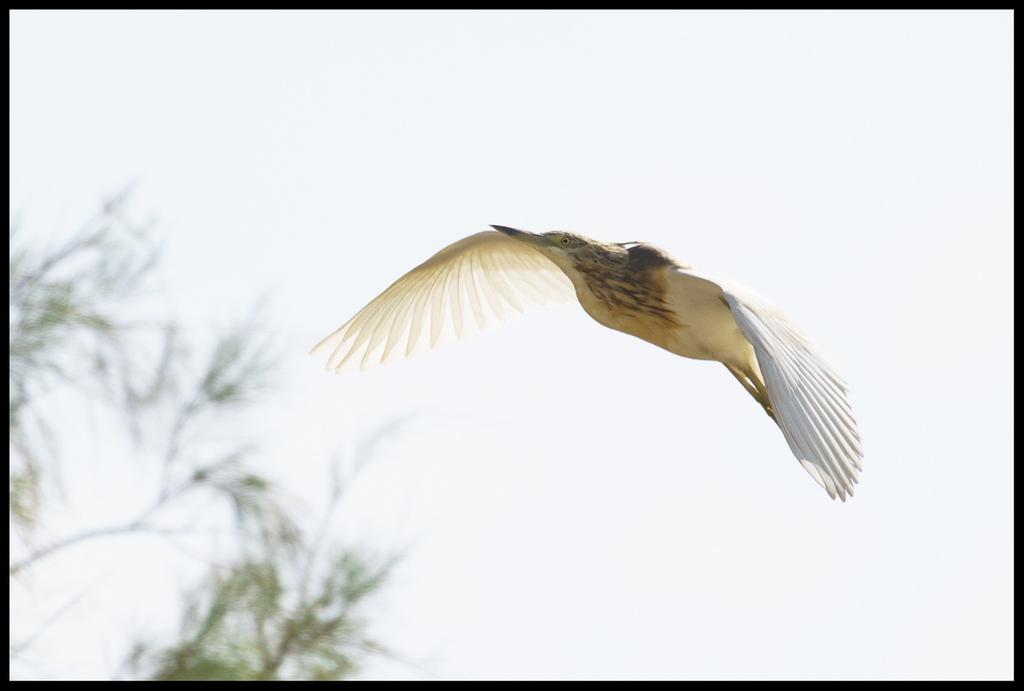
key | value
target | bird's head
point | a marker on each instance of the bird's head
(563, 248)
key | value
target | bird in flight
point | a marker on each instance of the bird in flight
(631, 287)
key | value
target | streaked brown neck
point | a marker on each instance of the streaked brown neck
(625, 283)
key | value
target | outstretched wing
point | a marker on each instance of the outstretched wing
(479, 280)
(808, 397)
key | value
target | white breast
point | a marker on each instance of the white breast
(709, 330)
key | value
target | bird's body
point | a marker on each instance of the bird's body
(634, 288)
(649, 295)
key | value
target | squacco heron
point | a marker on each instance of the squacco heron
(631, 287)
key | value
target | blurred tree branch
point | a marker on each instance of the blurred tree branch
(261, 621)
(81, 319)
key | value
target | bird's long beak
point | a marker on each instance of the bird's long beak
(525, 236)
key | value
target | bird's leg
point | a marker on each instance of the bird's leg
(742, 379)
(765, 401)
(755, 389)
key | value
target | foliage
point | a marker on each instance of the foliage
(249, 624)
(82, 319)
(64, 333)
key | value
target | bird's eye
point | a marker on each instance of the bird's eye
(565, 241)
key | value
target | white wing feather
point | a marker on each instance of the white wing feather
(808, 396)
(496, 274)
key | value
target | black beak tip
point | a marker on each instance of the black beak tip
(508, 231)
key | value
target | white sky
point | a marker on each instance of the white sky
(579, 503)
